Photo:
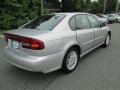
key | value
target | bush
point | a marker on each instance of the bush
(14, 13)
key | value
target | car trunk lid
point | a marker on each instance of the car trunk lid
(27, 32)
(25, 38)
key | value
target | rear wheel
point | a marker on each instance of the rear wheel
(70, 60)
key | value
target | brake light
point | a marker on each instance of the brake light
(26, 42)
(34, 44)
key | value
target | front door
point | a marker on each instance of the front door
(99, 31)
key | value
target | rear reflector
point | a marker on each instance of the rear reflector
(28, 43)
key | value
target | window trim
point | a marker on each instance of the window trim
(86, 18)
(75, 21)
(69, 22)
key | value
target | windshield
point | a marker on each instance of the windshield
(47, 22)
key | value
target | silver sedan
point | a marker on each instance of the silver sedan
(55, 41)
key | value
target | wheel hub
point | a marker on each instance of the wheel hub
(72, 60)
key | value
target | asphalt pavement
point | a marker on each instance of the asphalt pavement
(98, 70)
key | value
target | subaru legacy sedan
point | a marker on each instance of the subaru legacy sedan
(55, 41)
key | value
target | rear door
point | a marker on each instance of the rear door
(99, 31)
(85, 35)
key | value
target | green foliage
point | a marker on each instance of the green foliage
(78, 5)
(14, 13)
(88, 6)
(111, 6)
(67, 5)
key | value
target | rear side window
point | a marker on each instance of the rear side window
(93, 21)
(72, 23)
(82, 22)
(46, 23)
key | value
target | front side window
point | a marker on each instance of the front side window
(82, 22)
(47, 22)
(93, 21)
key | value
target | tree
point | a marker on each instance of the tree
(111, 6)
(14, 13)
(67, 5)
(79, 5)
(97, 6)
(87, 5)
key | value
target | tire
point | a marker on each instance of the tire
(117, 21)
(71, 54)
(107, 41)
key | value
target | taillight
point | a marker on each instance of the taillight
(34, 44)
(28, 43)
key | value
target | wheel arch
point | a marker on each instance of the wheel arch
(73, 46)
(77, 47)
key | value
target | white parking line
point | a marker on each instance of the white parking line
(1, 36)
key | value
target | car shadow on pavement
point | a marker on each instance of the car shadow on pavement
(91, 53)
(31, 79)
(28, 75)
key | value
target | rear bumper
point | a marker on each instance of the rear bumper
(43, 64)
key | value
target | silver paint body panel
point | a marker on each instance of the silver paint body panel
(57, 42)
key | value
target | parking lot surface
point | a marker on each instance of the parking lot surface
(98, 70)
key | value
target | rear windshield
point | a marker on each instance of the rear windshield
(47, 22)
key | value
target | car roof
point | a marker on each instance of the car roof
(72, 13)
